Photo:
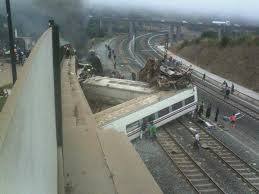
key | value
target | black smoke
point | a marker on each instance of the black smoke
(31, 18)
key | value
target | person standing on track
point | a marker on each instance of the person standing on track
(196, 143)
(217, 114)
(233, 120)
(204, 77)
(208, 111)
(232, 88)
(142, 129)
(200, 111)
(227, 93)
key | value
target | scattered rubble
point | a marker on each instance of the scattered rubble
(166, 75)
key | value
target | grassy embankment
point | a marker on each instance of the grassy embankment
(235, 59)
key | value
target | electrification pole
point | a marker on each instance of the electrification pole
(11, 40)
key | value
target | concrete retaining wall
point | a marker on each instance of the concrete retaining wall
(28, 147)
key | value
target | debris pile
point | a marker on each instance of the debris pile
(150, 72)
(166, 76)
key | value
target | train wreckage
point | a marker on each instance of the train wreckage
(166, 76)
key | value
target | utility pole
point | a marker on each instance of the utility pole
(11, 40)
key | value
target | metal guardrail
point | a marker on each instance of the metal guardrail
(218, 85)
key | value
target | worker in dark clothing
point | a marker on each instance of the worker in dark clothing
(109, 54)
(195, 115)
(227, 93)
(114, 57)
(232, 88)
(133, 76)
(200, 111)
(204, 76)
(142, 129)
(20, 57)
(208, 112)
(217, 114)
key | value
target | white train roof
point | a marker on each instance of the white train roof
(122, 84)
(136, 104)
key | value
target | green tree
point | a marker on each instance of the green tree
(224, 41)
(209, 34)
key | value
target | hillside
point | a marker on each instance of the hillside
(238, 62)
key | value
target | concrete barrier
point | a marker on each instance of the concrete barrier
(28, 147)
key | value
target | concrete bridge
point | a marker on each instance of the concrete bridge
(174, 27)
(49, 145)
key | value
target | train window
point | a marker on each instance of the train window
(132, 126)
(177, 106)
(189, 100)
(149, 118)
(163, 112)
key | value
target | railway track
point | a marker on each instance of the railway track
(243, 108)
(200, 181)
(144, 50)
(248, 174)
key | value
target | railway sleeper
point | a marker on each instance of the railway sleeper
(232, 161)
(180, 159)
(204, 179)
(228, 157)
(225, 153)
(208, 190)
(195, 175)
(184, 162)
(235, 165)
(242, 169)
(248, 174)
(176, 156)
(173, 151)
(205, 185)
(253, 179)
(186, 166)
(216, 149)
(190, 170)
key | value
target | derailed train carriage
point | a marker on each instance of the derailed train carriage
(159, 107)
(167, 101)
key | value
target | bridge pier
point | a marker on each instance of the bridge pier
(219, 34)
(170, 34)
(178, 32)
(110, 30)
(150, 26)
(100, 25)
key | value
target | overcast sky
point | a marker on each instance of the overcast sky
(242, 8)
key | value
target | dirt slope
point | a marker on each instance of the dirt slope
(237, 63)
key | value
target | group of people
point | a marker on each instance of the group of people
(225, 88)
(111, 53)
(150, 127)
(199, 111)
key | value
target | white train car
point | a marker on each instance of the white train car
(223, 23)
(160, 108)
